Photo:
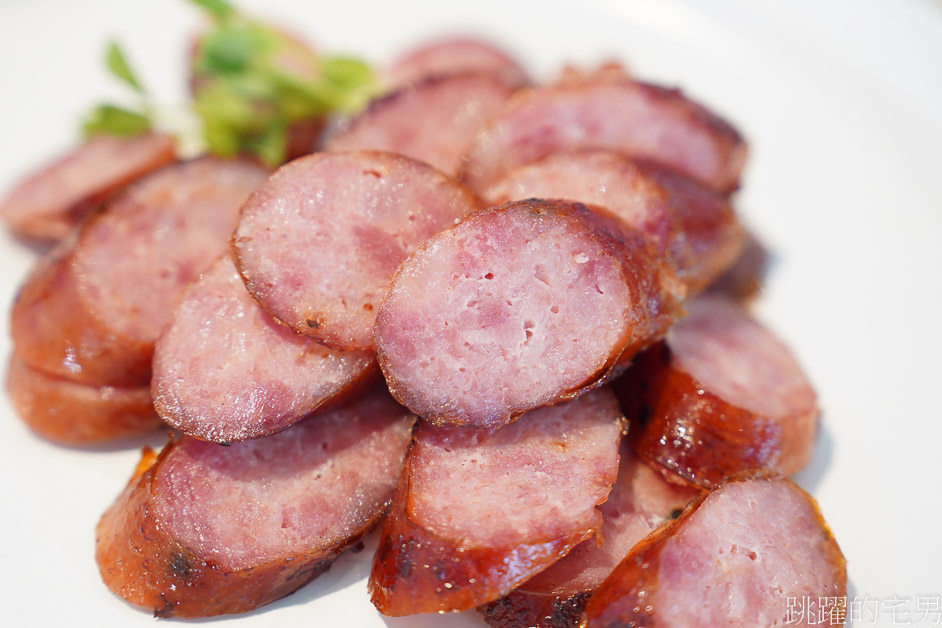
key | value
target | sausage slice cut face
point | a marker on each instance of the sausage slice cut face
(515, 308)
(225, 371)
(722, 395)
(477, 512)
(733, 558)
(318, 243)
(455, 56)
(208, 530)
(690, 223)
(48, 204)
(93, 309)
(639, 119)
(434, 120)
(640, 501)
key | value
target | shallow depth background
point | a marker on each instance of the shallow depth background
(841, 104)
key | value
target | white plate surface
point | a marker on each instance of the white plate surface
(841, 102)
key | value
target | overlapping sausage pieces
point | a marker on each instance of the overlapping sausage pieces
(689, 223)
(477, 512)
(640, 501)
(614, 112)
(319, 241)
(206, 530)
(434, 120)
(518, 307)
(92, 311)
(51, 202)
(77, 414)
(224, 371)
(721, 395)
(733, 558)
(455, 56)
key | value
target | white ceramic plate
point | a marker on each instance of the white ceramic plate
(842, 105)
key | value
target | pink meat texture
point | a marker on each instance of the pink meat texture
(48, 204)
(733, 558)
(690, 224)
(92, 310)
(319, 241)
(477, 512)
(206, 530)
(225, 371)
(639, 119)
(518, 307)
(721, 395)
(461, 55)
(433, 121)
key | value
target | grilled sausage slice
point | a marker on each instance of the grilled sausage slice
(224, 371)
(477, 512)
(632, 117)
(71, 413)
(433, 121)
(455, 56)
(92, 311)
(640, 501)
(733, 558)
(721, 395)
(51, 202)
(518, 307)
(318, 242)
(689, 223)
(206, 530)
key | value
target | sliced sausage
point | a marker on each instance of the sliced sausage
(636, 118)
(77, 414)
(689, 222)
(720, 395)
(477, 512)
(640, 501)
(433, 121)
(734, 557)
(518, 307)
(207, 530)
(318, 242)
(51, 202)
(225, 371)
(92, 311)
(456, 56)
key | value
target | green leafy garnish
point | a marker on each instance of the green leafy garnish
(251, 85)
(114, 120)
(110, 119)
(119, 66)
(220, 9)
(253, 82)
(231, 50)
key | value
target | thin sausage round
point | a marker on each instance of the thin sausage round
(721, 395)
(71, 413)
(92, 311)
(51, 202)
(433, 121)
(517, 307)
(690, 223)
(318, 242)
(733, 558)
(224, 371)
(636, 118)
(477, 512)
(206, 530)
